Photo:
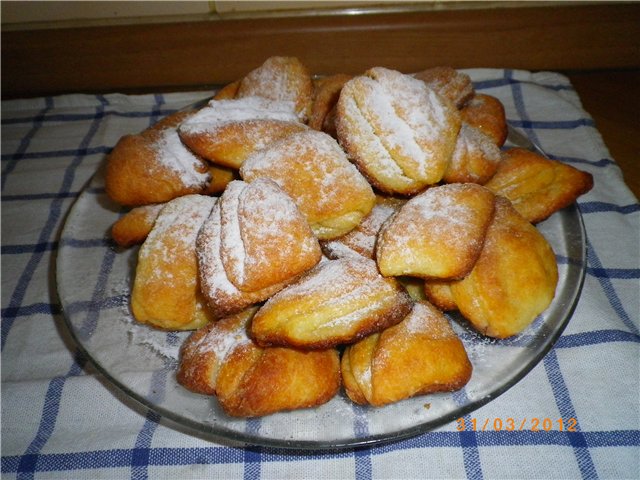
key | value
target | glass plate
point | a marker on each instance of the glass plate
(94, 279)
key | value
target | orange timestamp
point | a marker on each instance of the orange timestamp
(533, 424)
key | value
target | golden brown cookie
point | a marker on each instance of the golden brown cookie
(251, 381)
(439, 293)
(362, 239)
(419, 355)
(487, 113)
(323, 109)
(154, 167)
(225, 132)
(220, 178)
(254, 243)
(514, 279)
(339, 301)
(536, 185)
(448, 82)
(280, 78)
(400, 133)
(437, 234)
(312, 168)
(166, 291)
(135, 225)
(475, 158)
(228, 92)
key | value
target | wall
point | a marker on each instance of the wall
(25, 15)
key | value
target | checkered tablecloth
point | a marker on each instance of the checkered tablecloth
(62, 419)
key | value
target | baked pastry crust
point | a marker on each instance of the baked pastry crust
(254, 243)
(225, 132)
(339, 301)
(228, 92)
(312, 168)
(400, 133)
(323, 109)
(475, 158)
(437, 234)
(220, 178)
(362, 239)
(166, 291)
(448, 82)
(514, 279)
(419, 355)
(487, 113)
(536, 185)
(439, 293)
(154, 166)
(250, 381)
(280, 78)
(135, 225)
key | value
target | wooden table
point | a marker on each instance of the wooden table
(612, 97)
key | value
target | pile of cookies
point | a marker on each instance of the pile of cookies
(312, 231)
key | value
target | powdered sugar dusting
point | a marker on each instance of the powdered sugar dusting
(372, 152)
(219, 113)
(180, 221)
(362, 239)
(212, 273)
(342, 280)
(307, 158)
(381, 109)
(472, 143)
(222, 342)
(172, 154)
(426, 319)
(232, 246)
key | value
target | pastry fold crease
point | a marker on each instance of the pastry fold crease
(248, 380)
(339, 301)
(419, 355)
(254, 243)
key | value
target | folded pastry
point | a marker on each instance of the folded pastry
(487, 113)
(439, 293)
(154, 166)
(254, 243)
(448, 82)
(225, 132)
(249, 381)
(437, 234)
(323, 109)
(312, 168)
(419, 355)
(166, 291)
(339, 301)
(280, 78)
(514, 279)
(220, 178)
(400, 133)
(135, 225)
(228, 92)
(536, 185)
(362, 239)
(475, 158)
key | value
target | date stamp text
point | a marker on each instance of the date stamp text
(533, 424)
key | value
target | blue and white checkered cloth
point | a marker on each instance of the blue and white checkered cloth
(62, 419)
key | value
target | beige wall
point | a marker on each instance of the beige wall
(18, 15)
(41, 12)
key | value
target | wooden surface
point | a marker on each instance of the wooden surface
(613, 99)
(182, 55)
